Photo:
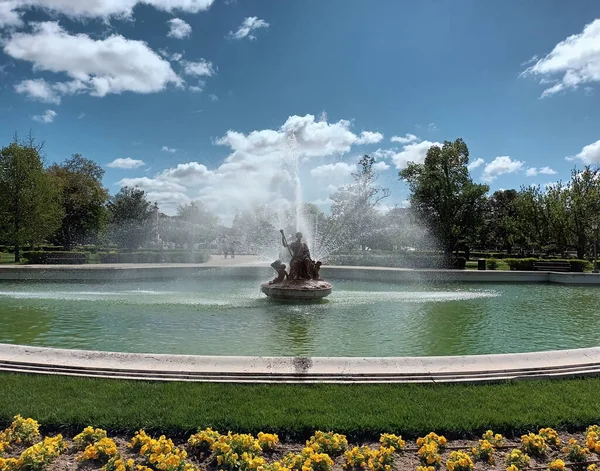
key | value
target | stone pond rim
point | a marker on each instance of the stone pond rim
(301, 290)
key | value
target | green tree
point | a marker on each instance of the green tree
(29, 207)
(196, 223)
(444, 196)
(130, 218)
(502, 228)
(83, 199)
(583, 202)
(353, 211)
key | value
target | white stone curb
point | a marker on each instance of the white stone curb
(159, 367)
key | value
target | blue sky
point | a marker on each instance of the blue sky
(196, 99)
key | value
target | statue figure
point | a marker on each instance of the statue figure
(315, 272)
(301, 265)
(281, 273)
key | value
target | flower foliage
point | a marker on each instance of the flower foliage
(460, 461)
(391, 440)
(575, 452)
(368, 458)
(88, 436)
(534, 444)
(331, 443)
(517, 459)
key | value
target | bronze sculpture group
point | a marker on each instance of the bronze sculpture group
(302, 266)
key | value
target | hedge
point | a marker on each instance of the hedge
(166, 256)
(526, 264)
(40, 257)
(398, 260)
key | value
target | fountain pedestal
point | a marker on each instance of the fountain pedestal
(297, 289)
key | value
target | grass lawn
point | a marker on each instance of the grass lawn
(295, 411)
(6, 258)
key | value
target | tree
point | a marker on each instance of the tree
(83, 200)
(444, 196)
(197, 224)
(354, 210)
(29, 208)
(502, 229)
(583, 202)
(130, 217)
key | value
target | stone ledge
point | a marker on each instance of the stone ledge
(160, 367)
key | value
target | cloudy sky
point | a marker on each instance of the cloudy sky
(205, 99)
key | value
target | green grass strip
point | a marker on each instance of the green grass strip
(295, 411)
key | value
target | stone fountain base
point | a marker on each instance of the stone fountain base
(305, 290)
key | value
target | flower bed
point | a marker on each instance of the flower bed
(22, 448)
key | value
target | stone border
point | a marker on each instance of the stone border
(159, 367)
(115, 272)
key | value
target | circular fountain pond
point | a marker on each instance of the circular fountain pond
(228, 316)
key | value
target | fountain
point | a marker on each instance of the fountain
(303, 281)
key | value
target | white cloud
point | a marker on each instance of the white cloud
(179, 29)
(339, 170)
(573, 62)
(126, 163)
(382, 154)
(168, 149)
(213, 97)
(175, 56)
(81, 115)
(38, 90)
(198, 88)
(46, 117)
(259, 167)
(248, 26)
(589, 155)
(500, 166)
(9, 16)
(533, 171)
(12, 10)
(202, 68)
(476, 164)
(431, 127)
(368, 137)
(413, 153)
(98, 67)
(407, 139)
(380, 166)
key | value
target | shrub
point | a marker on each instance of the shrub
(580, 266)
(491, 263)
(520, 264)
(40, 257)
(167, 256)
(459, 263)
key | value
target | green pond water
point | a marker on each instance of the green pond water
(229, 317)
